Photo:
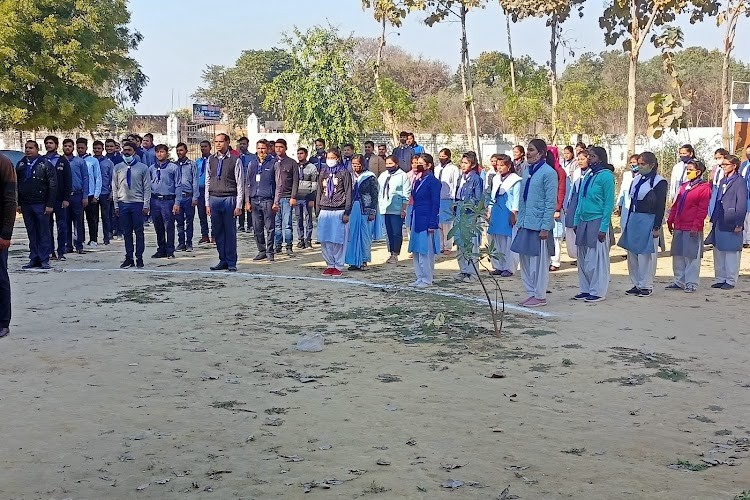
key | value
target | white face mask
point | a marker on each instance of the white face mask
(332, 163)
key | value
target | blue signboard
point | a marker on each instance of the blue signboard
(206, 113)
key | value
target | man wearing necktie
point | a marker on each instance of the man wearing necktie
(225, 183)
(131, 198)
(189, 183)
(37, 189)
(166, 194)
(201, 164)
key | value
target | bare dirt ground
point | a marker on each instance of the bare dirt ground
(174, 383)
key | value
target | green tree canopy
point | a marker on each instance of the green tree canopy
(316, 97)
(239, 89)
(65, 63)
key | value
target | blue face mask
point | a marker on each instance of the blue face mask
(685, 159)
(634, 168)
(127, 159)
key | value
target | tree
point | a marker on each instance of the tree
(729, 16)
(65, 63)
(239, 89)
(556, 12)
(116, 120)
(386, 12)
(440, 10)
(315, 96)
(633, 20)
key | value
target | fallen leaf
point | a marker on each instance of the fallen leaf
(451, 484)
(382, 461)
(143, 486)
(453, 466)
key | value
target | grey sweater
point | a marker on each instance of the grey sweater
(140, 184)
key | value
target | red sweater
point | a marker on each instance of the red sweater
(561, 187)
(692, 215)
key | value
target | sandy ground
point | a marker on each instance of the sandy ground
(174, 382)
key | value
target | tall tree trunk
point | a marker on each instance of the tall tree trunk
(510, 54)
(553, 44)
(388, 119)
(733, 12)
(467, 108)
(468, 87)
(632, 72)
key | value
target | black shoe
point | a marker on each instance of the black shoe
(181, 248)
(270, 257)
(308, 243)
(30, 265)
(47, 267)
(80, 251)
(725, 286)
(62, 258)
(4, 332)
(634, 291)
(171, 256)
(277, 249)
(301, 244)
(139, 263)
(717, 285)
(68, 249)
(289, 252)
(158, 255)
(645, 293)
(260, 256)
(221, 266)
(127, 264)
(354, 268)
(496, 273)
(232, 269)
(240, 229)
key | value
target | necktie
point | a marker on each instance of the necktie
(30, 167)
(532, 171)
(594, 171)
(128, 177)
(218, 168)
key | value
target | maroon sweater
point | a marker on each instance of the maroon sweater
(8, 197)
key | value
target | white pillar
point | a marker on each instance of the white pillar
(173, 133)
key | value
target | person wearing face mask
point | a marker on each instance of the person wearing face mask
(403, 152)
(641, 224)
(679, 171)
(364, 206)
(536, 219)
(166, 194)
(571, 203)
(744, 171)
(449, 176)
(504, 196)
(259, 196)
(62, 199)
(686, 219)
(334, 206)
(37, 189)
(470, 192)
(131, 199)
(319, 156)
(623, 199)
(592, 227)
(715, 177)
(726, 225)
(424, 239)
(393, 198)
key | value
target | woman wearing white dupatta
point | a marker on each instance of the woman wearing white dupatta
(505, 195)
(364, 203)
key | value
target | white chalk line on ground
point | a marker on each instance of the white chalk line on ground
(348, 281)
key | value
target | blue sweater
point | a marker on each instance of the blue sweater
(537, 211)
(265, 189)
(426, 196)
(79, 174)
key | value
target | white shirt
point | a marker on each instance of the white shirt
(623, 199)
(677, 179)
(449, 177)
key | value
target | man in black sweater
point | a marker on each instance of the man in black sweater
(8, 205)
(37, 189)
(259, 197)
(287, 183)
(62, 200)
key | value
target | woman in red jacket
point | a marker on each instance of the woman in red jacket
(685, 222)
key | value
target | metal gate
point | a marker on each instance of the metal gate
(193, 134)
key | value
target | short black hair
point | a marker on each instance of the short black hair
(82, 140)
(369, 143)
(243, 138)
(205, 142)
(68, 141)
(262, 141)
(97, 143)
(304, 150)
(225, 136)
(130, 144)
(53, 139)
(348, 145)
(149, 136)
(31, 141)
(110, 141)
(161, 147)
(404, 133)
(181, 145)
(322, 141)
(280, 141)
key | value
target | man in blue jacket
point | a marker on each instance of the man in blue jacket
(149, 151)
(201, 165)
(95, 189)
(62, 199)
(166, 194)
(189, 183)
(243, 145)
(404, 152)
(259, 200)
(105, 197)
(79, 198)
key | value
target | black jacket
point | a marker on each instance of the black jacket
(40, 186)
(64, 179)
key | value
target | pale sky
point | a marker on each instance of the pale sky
(182, 36)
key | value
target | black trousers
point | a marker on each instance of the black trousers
(264, 225)
(4, 290)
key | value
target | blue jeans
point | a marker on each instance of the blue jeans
(75, 222)
(393, 225)
(131, 220)
(163, 218)
(304, 220)
(105, 206)
(202, 217)
(61, 218)
(263, 225)
(185, 222)
(284, 221)
(37, 227)
(224, 228)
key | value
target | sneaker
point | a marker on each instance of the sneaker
(523, 302)
(393, 259)
(30, 265)
(725, 286)
(92, 244)
(645, 293)
(62, 258)
(673, 286)
(581, 296)
(181, 248)
(171, 256)
(47, 267)
(422, 284)
(204, 239)
(717, 285)
(301, 244)
(289, 252)
(158, 255)
(53, 256)
(327, 271)
(232, 269)
(80, 251)
(335, 273)
(414, 283)
(496, 272)
(127, 264)
(534, 302)
(270, 257)
(691, 288)
(469, 278)
(221, 266)
(459, 277)
(213, 240)
(277, 249)
(634, 291)
(260, 256)
(594, 298)
(189, 248)
(506, 274)
(139, 263)
(308, 243)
